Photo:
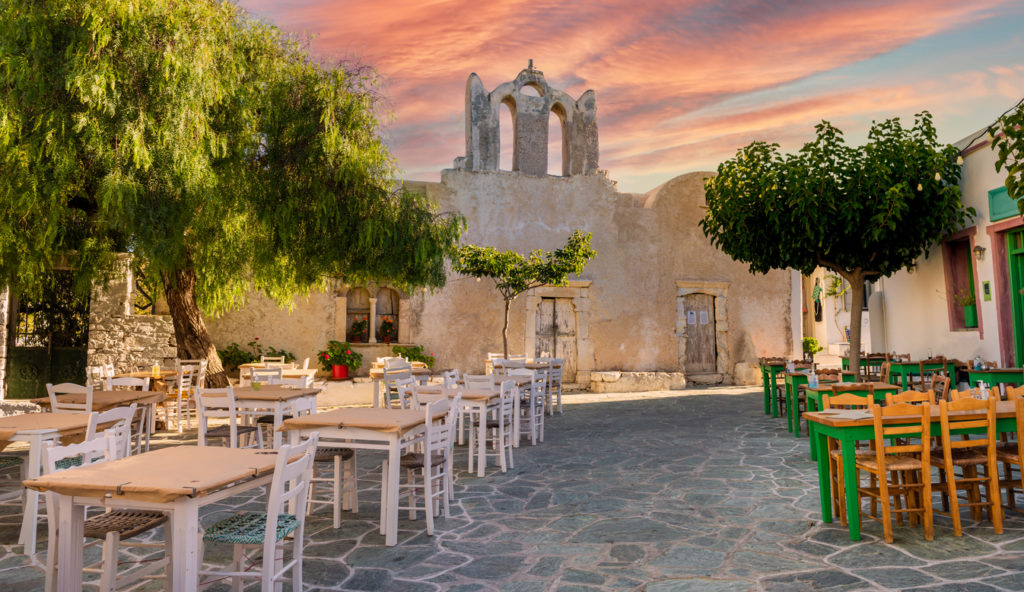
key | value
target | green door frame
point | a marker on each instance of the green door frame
(1015, 262)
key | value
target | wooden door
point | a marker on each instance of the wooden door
(701, 347)
(556, 333)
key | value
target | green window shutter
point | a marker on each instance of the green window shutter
(1000, 206)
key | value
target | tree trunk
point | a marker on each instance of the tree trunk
(856, 279)
(190, 334)
(504, 329)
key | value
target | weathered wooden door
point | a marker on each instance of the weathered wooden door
(556, 333)
(701, 349)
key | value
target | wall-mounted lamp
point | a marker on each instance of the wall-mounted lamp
(979, 253)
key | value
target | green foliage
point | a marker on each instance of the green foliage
(1008, 138)
(514, 274)
(413, 353)
(199, 139)
(964, 297)
(359, 329)
(876, 208)
(234, 356)
(387, 330)
(339, 354)
(811, 346)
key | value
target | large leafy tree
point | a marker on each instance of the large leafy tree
(863, 212)
(209, 146)
(513, 273)
(1008, 136)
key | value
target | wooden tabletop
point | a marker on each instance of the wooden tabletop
(372, 418)
(146, 374)
(856, 417)
(998, 370)
(65, 423)
(161, 475)
(879, 386)
(272, 392)
(104, 400)
(416, 371)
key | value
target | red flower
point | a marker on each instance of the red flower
(348, 351)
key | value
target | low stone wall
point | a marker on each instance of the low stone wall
(621, 382)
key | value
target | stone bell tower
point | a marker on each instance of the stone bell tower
(530, 126)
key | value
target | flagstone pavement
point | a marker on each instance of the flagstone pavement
(656, 492)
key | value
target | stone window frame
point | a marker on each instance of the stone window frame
(720, 292)
(579, 292)
(341, 311)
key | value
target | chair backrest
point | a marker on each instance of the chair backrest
(438, 435)
(188, 377)
(127, 383)
(833, 373)
(846, 387)
(302, 406)
(909, 397)
(266, 375)
(955, 395)
(517, 357)
(120, 429)
(394, 362)
(957, 422)
(272, 359)
(450, 379)
(292, 473)
(95, 375)
(481, 383)
(305, 364)
(1013, 393)
(69, 388)
(197, 368)
(217, 403)
(940, 385)
(507, 406)
(556, 371)
(305, 381)
(906, 438)
(91, 451)
(847, 401)
(885, 371)
(406, 389)
(393, 374)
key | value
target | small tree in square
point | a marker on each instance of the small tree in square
(514, 274)
(863, 212)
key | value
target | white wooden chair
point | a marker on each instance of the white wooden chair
(477, 383)
(428, 472)
(265, 375)
(344, 488)
(272, 359)
(220, 403)
(531, 404)
(191, 375)
(142, 425)
(110, 528)
(305, 364)
(391, 374)
(69, 388)
(305, 381)
(408, 398)
(267, 532)
(499, 429)
(95, 375)
(120, 429)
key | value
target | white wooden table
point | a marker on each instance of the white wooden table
(36, 429)
(421, 373)
(178, 480)
(243, 372)
(368, 429)
(273, 400)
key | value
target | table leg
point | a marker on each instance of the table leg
(516, 405)
(764, 383)
(277, 424)
(185, 558)
(774, 396)
(391, 493)
(789, 399)
(824, 482)
(30, 520)
(69, 540)
(376, 393)
(810, 427)
(481, 442)
(849, 450)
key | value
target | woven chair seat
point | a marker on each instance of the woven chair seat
(895, 462)
(69, 462)
(1008, 452)
(10, 461)
(224, 431)
(328, 454)
(961, 458)
(127, 523)
(248, 528)
(270, 418)
(415, 460)
(838, 454)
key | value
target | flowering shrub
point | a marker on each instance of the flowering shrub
(388, 331)
(339, 354)
(359, 329)
(233, 356)
(413, 353)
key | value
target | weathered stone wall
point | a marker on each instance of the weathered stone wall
(118, 336)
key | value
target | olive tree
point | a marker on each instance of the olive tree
(863, 212)
(514, 273)
(208, 145)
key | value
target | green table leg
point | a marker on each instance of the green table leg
(824, 483)
(849, 450)
(812, 398)
(789, 404)
(764, 381)
(775, 396)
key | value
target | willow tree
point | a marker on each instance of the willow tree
(513, 273)
(209, 146)
(863, 212)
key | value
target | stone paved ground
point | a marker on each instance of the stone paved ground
(655, 492)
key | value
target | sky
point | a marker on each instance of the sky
(681, 85)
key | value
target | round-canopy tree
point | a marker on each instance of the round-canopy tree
(863, 212)
(206, 144)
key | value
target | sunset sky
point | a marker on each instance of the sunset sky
(681, 84)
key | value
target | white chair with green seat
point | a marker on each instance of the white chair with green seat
(267, 532)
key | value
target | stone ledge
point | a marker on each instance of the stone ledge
(618, 382)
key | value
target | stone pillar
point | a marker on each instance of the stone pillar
(5, 319)
(372, 321)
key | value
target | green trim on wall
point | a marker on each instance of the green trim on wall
(1000, 206)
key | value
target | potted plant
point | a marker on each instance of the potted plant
(413, 353)
(965, 298)
(339, 359)
(359, 329)
(811, 347)
(387, 331)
